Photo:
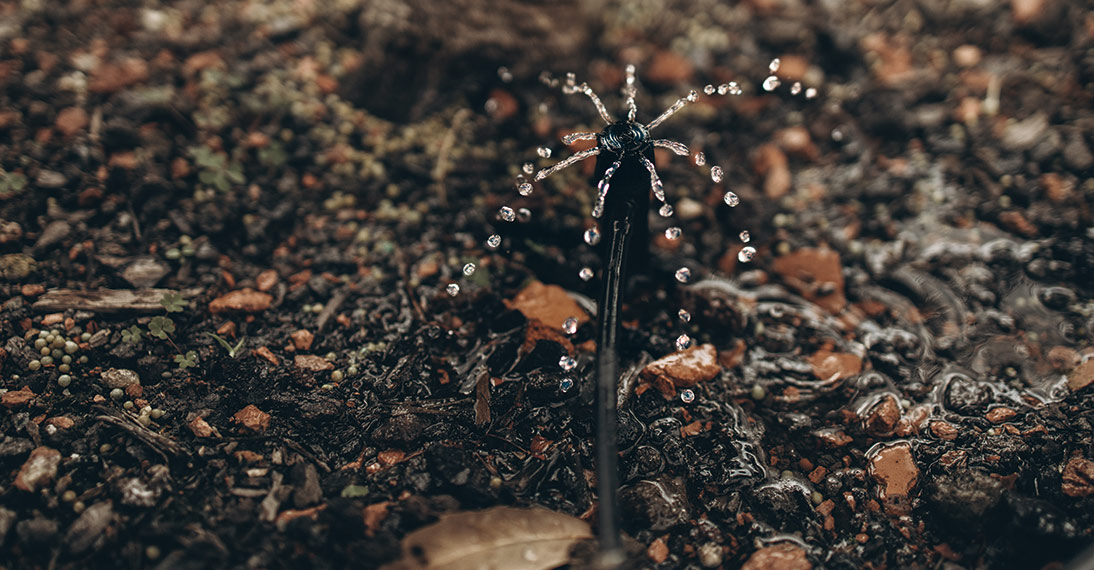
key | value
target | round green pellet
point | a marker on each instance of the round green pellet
(47, 360)
(64, 380)
(68, 496)
(71, 347)
(758, 392)
(34, 365)
(39, 343)
(129, 405)
(57, 353)
(64, 368)
(85, 337)
(66, 359)
(44, 351)
(156, 414)
(337, 376)
(117, 394)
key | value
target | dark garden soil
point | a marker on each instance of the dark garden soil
(900, 378)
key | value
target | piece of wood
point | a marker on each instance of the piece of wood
(102, 300)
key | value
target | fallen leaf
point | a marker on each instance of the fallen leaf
(501, 537)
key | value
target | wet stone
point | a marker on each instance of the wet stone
(1078, 478)
(312, 363)
(683, 369)
(882, 417)
(808, 269)
(894, 468)
(964, 498)
(548, 303)
(1082, 376)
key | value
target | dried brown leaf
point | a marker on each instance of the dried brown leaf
(498, 538)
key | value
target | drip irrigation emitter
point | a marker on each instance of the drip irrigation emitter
(625, 176)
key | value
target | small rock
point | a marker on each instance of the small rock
(657, 551)
(895, 470)
(71, 120)
(32, 289)
(817, 274)
(1078, 478)
(111, 77)
(307, 491)
(17, 398)
(966, 55)
(266, 280)
(312, 363)
(90, 525)
(1082, 376)
(683, 369)
(1000, 415)
(39, 469)
(252, 418)
(831, 366)
(1077, 154)
(943, 430)
(244, 300)
(200, 427)
(1022, 135)
(50, 179)
(883, 417)
(120, 378)
(548, 303)
(772, 164)
(302, 339)
(144, 272)
(16, 266)
(136, 492)
(710, 555)
(782, 556)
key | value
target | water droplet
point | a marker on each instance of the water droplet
(543, 152)
(700, 159)
(567, 363)
(716, 174)
(746, 254)
(731, 199)
(468, 269)
(773, 67)
(507, 213)
(528, 168)
(745, 236)
(592, 236)
(672, 233)
(565, 384)
(585, 274)
(796, 88)
(687, 396)
(524, 214)
(683, 275)
(684, 316)
(709, 90)
(734, 88)
(569, 326)
(682, 342)
(453, 289)
(771, 83)
(493, 241)
(665, 211)
(525, 189)
(810, 93)
(693, 95)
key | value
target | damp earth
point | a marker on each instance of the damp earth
(280, 285)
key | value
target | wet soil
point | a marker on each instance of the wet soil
(901, 377)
